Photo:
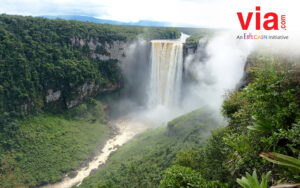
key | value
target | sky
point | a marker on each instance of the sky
(201, 13)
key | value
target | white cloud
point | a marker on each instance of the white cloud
(208, 13)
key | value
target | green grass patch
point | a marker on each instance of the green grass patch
(47, 145)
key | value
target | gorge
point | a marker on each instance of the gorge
(97, 105)
(165, 95)
(165, 87)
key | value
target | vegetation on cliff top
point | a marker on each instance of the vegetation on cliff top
(197, 34)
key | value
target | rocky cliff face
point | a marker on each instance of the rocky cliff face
(193, 54)
(103, 51)
(55, 96)
(88, 89)
(76, 96)
(189, 49)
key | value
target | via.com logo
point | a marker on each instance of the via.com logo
(268, 21)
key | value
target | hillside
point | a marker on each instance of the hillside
(141, 162)
(263, 120)
(148, 23)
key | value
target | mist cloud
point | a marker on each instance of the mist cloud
(217, 74)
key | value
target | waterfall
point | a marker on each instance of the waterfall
(166, 72)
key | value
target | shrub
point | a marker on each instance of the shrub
(253, 182)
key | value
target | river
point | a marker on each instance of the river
(127, 129)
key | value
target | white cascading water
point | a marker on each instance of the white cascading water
(166, 72)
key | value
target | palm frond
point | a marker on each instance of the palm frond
(281, 159)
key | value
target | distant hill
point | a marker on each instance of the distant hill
(113, 22)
